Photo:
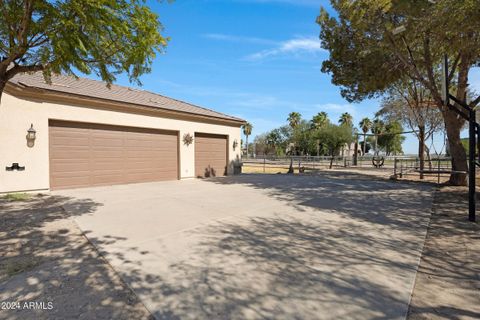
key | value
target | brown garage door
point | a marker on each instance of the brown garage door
(83, 155)
(210, 155)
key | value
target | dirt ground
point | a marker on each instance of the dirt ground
(48, 269)
(448, 280)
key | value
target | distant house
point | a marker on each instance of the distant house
(349, 150)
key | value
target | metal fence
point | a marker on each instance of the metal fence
(306, 163)
(399, 166)
(436, 167)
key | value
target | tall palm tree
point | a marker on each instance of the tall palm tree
(378, 127)
(346, 119)
(294, 119)
(365, 124)
(320, 120)
(247, 130)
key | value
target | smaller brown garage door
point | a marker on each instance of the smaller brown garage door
(210, 155)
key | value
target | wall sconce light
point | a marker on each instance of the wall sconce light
(31, 136)
(235, 144)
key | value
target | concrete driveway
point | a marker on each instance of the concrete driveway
(331, 246)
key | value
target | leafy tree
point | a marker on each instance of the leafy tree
(294, 119)
(261, 144)
(374, 44)
(273, 139)
(283, 134)
(378, 127)
(334, 137)
(247, 131)
(103, 37)
(365, 145)
(346, 119)
(319, 120)
(391, 139)
(412, 104)
(365, 125)
(302, 138)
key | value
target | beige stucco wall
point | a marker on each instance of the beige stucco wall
(16, 115)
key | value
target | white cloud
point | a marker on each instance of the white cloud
(335, 107)
(233, 38)
(290, 47)
(312, 3)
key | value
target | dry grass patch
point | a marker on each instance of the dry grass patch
(18, 265)
(19, 196)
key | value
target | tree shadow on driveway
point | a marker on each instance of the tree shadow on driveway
(350, 249)
(46, 259)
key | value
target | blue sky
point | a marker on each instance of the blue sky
(255, 59)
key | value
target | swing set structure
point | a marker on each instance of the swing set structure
(377, 160)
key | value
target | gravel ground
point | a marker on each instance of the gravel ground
(48, 269)
(448, 280)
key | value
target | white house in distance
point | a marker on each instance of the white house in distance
(79, 133)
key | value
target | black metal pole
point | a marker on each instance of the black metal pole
(355, 155)
(471, 166)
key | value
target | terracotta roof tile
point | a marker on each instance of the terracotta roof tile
(98, 89)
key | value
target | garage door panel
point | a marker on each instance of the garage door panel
(68, 166)
(107, 179)
(105, 165)
(107, 142)
(93, 155)
(109, 153)
(69, 153)
(210, 155)
(71, 181)
(67, 141)
(139, 165)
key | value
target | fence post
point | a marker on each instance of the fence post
(264, 160)
(395, 167)
(401, 168)
(438, 172)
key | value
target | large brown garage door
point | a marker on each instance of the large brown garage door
(84, 155)
(210, 155)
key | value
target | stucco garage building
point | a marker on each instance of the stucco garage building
(90, 135)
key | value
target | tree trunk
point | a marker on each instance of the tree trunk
(421, 149)
(429, 158)
(453, 126)
(364, 143)
(290, 169)
(246, 140)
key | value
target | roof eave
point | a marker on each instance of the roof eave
(22, 90)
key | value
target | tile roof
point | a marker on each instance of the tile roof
(98, 89)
